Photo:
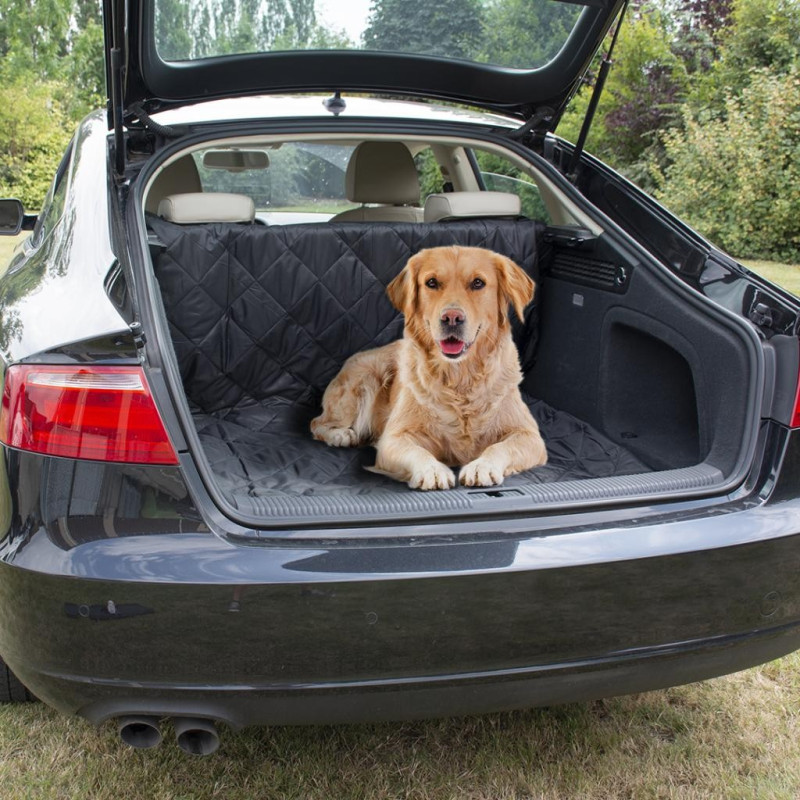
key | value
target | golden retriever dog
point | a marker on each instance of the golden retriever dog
(447, 393)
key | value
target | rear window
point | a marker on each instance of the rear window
(506, 33)
(295, 182)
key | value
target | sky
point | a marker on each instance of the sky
(348, 14)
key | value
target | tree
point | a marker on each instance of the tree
(188, 29)
(33, 37)
(641, 98)
(34, 131)
(735, 176)
(521, 33)
(450, 28)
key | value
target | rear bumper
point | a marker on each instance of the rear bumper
(286, 633)
(441, 696)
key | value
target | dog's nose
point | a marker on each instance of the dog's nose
(452, 317)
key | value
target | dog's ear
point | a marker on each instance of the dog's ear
(402, 290)
(516, 287)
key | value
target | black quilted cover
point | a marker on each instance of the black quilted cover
(262, 312)
(262, 318)
(266, 449)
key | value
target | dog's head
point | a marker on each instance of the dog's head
(450, 296)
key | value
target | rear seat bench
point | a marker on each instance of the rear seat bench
(261, 312)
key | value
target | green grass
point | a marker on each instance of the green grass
(786, 275)
(733, 737)
(7, 245)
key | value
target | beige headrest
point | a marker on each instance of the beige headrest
(454, 205)
(207, 207)
(177, 177)
(382, 172)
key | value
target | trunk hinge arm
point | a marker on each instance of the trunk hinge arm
(116, 111)
(605, 66)
(534, 124)
(167, 131)
(114, 20)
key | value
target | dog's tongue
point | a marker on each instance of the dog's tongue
(451, 346)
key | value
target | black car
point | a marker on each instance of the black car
(174, 542)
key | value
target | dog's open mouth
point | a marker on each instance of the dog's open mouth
(453, 347)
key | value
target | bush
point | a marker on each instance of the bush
(34, 132)
(642, 98)
(734, 177)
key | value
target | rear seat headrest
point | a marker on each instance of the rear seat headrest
(460, 205)
(384, 173)
(193, 207)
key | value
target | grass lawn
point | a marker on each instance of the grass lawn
(7, 245)
(786, 275)
(733, 737)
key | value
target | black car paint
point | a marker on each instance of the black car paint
(434, 620)
(123, 591)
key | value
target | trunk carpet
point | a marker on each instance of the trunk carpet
(266, 449)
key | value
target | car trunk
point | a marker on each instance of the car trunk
(641, 388)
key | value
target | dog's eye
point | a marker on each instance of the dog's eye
(432, 283)
(478, 283)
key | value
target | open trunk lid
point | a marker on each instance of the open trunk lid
(161, 53)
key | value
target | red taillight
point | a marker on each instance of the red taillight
(795, 423)
(100, 413)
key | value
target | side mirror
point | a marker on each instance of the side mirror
(12, 215)
(13, 218)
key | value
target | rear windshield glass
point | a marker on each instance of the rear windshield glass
(523, 34)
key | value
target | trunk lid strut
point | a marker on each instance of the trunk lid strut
(605, 66)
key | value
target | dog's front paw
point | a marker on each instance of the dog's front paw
(335, 437)
(480, 472)
(433, 476)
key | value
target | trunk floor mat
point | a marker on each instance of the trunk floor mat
(266, 449)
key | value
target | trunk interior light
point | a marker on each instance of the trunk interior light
(97, 413)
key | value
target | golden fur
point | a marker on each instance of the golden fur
(447, 393)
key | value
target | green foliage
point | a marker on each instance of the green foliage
(451, 28)
(735, 177)
(764, 33)
(188, 29)
(430, 175)
(641, 99)
(501, 175)
(704, 113)
(51, 74)
(525, 34)
(33, 37)
(733, 164)
(85, 71)
(34, 132)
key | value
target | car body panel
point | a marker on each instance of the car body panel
(302, 632)
(71, 260)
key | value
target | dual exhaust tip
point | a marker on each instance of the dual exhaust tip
(194, 735)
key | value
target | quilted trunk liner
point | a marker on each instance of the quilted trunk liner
(266, 450)
(262, 318)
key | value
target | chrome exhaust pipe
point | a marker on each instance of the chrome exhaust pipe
(139, 732)
(196, 736)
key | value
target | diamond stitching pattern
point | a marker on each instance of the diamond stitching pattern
(264, 312)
